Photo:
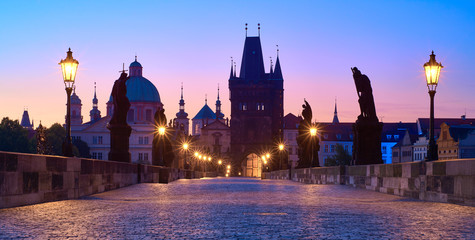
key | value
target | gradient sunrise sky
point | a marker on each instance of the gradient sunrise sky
(192, 42)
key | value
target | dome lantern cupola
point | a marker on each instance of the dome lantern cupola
(135, 69)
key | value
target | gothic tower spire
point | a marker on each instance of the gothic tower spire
(219, 114)
(335, 116)
(95, 114)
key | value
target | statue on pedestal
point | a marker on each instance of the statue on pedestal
(308, 145)
(120, 130)
(367, 129)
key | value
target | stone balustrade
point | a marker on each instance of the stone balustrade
(30, 178)
(451, 181)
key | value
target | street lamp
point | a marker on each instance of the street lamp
(281, 148)
(69, 67)
(313, 134)
(432, 69)
(161, 133)
(185, 149)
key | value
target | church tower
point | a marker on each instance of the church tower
(181, 119)
(95, 114)
(257, 106)
(76, 105)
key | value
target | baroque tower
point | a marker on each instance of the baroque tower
(257, 106)
(76, 105)
(95, 114)
(182, 119)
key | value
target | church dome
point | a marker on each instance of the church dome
(140, 89)
(135, 64)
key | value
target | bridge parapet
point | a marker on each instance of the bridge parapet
(451, 181)
(31, 178)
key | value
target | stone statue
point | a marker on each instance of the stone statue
(308, 145)
(365, 95)
(367, 129)
(120, 101)
(119, 129)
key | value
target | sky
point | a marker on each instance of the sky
(192, 42)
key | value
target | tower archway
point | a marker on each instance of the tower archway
(252, 166)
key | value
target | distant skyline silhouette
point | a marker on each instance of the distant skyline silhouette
(192, 42)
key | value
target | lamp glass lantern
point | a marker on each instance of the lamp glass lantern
(432, 69)
(69, 67)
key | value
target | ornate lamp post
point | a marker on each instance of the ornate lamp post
(185, 149)
(432, 69)
(69, 67)
(313, 135)
(161, 133)
(281, 148)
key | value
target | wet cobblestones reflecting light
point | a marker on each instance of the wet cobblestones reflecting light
(230, 208)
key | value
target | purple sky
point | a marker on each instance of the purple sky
(192, 42)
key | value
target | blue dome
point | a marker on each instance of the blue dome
(205, 113)
(135, 64)
(139, 89)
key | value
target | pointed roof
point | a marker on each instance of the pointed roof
(231, 75)
(25, 120)
(252, 66)
(205, 113)
(75, 98)
(277, 70)
(335, 116)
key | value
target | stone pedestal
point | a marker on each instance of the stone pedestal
(367, 142)
(119, 143)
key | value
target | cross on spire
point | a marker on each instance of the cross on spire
(246, 29)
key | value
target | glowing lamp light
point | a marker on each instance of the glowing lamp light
(196, 154)
(281, 147)
(227, 175)
(432, 69)
(267, 155)
(161, 130)
(313, 131)
(239, 173)
(69, 67)
(220, 162)
(263, 157)
(228, 167)
(185, 146)
(265, 161)
(209, 158)
(204, 158)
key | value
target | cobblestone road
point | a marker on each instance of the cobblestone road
(237, 208)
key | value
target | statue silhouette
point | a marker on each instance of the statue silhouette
(365, 95)
(120, 101)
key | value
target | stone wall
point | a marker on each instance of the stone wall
(451, 181)
(29, 178)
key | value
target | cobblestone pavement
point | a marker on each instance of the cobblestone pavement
(239, 208)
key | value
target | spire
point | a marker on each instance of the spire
(271, 71)
(246, 31)
(277, 69)
(232, 70)
(259, 29)
(181, 90)
(219, 115)
(95, 114)
(206, 99)
(182, 113)
(335, 115)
